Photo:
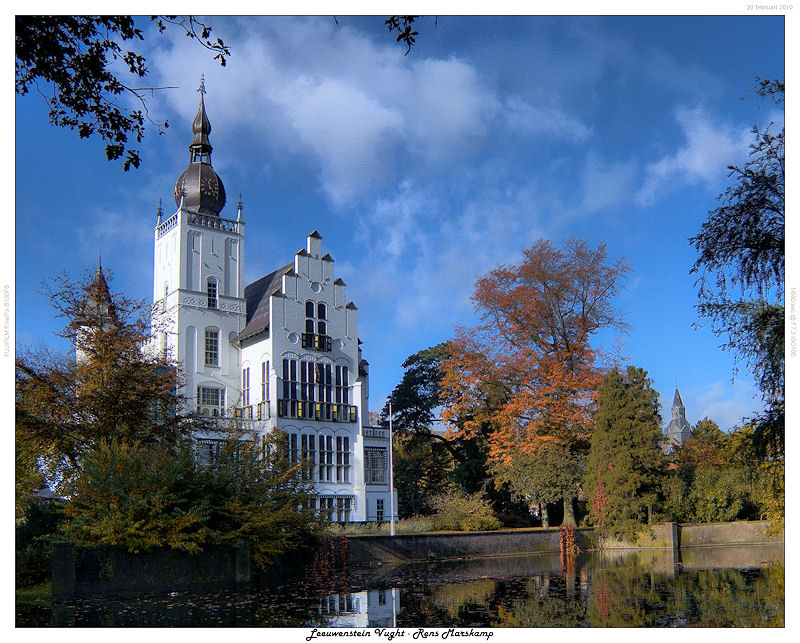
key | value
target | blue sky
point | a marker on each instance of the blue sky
(422, 172)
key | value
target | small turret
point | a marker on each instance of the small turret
(97, 311)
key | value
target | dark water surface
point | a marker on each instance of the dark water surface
(705, 587)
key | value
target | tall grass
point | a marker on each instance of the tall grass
(413, 525)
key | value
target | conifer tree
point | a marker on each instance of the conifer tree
(624, 464)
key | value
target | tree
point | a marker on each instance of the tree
(138, 496)
(71, 61)
(705, 447)
(533, 350)
(625, 461)
(422, 470)
(541, 479)
(741, 268)
(415, 399)
(459, 511)
(426, 461)
(111, 388)
(263, 497)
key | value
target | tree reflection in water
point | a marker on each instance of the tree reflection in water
(722, 588)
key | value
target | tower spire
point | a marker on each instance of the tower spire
(202, 187)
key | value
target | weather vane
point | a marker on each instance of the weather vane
(202, 88)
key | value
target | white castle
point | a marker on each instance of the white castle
(281, 353)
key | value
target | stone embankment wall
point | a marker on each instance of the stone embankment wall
(417, 547)
(86, 571)
(409, 547)
(673, 535)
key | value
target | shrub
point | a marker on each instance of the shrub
(33, 536)
(146, 496)
(458, 511)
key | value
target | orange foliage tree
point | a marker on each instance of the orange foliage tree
(533, 342)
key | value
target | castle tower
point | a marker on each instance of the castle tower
(199, 308)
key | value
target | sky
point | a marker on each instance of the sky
(424, 171)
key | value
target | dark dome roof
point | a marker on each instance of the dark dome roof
(202, 189)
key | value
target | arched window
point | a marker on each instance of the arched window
(212, 347)
(211, 290)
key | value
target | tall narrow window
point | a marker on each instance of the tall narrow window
(264, 381)
(326, 458)
(379, 515)
(309, 316)
(212, 347)
(342, 385)
(246, 386)
(211, 290)
(342, 459)
(316, 335)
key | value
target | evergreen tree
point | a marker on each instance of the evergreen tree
(624, 464)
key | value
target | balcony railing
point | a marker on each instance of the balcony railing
(258, 411)
(320, 411)
(373, 432)
(316, 342)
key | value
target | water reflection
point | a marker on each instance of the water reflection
(707, 587)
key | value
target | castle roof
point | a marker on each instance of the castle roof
(257, 296)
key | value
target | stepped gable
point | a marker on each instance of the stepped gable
(257, 296)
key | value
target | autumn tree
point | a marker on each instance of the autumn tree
(111, 387)
(426, 461)
(625, 461)
(533, 351)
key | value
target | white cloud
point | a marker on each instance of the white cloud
(708, 150)
(725, 403)
(605, 184)
(357, 114)
(521, 116)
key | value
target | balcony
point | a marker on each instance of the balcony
(318, 411)
(316, 342)
(375, 432)
(258, 411)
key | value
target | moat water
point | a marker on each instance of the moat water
(723, 586)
